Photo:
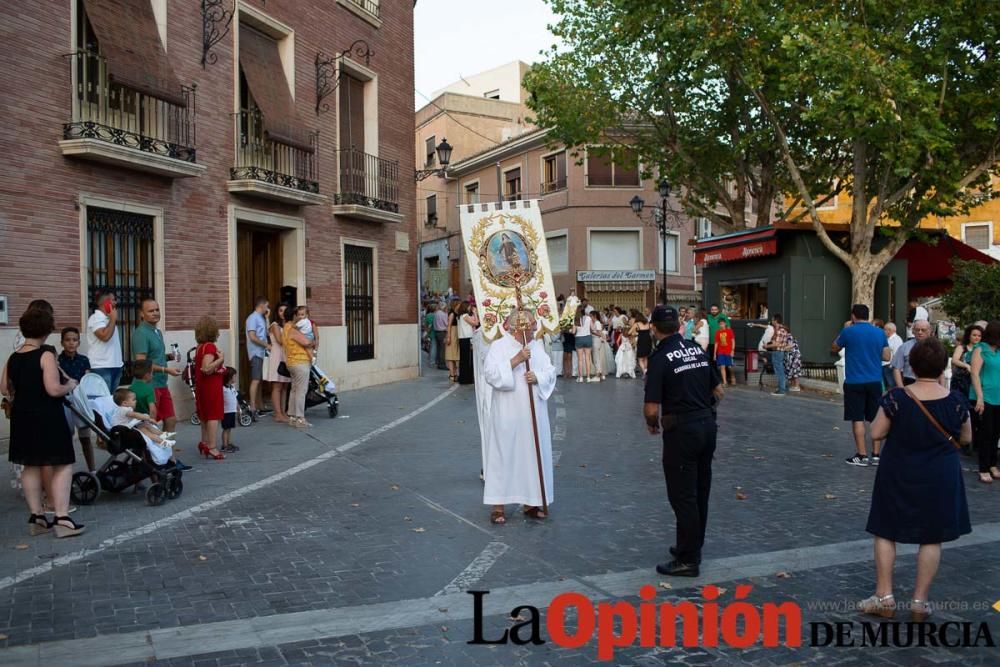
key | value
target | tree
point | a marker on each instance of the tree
(974, 294)
(892, 102)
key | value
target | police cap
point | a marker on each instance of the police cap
(664, 314)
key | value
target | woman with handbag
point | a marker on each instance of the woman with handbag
(298, 361)
(40, 437)
(919, 495)
(279, 382)
(211, 369)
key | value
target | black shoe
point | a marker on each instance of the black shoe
(183, 467)
(673, 552)
(676, 568)
(263, 412)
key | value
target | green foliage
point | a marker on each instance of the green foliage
(975, 294)
(891, 101)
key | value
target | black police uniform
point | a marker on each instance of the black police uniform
(682, 381)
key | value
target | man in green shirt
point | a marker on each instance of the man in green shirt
(147, 343)
(714, 316)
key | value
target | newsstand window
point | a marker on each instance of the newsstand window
(744, 300)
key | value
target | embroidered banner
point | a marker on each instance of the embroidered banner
(505, 244)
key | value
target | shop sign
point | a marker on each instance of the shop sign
(594, 276)
(737, 252)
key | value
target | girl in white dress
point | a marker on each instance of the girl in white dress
(625, 358)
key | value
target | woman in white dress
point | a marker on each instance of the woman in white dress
(700, 330)
(625, 358)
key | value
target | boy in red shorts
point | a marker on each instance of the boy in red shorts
(725, 342)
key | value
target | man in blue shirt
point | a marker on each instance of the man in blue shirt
(865, 349)
(258, 348)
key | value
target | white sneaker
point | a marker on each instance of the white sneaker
(795, 389)
(579, 379)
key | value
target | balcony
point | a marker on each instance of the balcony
(117, 125)
(549, 187)
(366, 9)
(273, 170)
(369, 187)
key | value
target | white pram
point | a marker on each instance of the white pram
(134, 457)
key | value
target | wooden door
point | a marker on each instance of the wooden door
(259, 273)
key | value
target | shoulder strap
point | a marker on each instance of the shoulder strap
(931, 419)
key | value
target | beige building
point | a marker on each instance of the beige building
(597, 246)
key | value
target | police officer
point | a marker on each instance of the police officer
(682, 390)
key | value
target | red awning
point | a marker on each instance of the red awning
(929, 266)
(734, 247)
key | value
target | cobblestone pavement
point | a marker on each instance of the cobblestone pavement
(353, 543)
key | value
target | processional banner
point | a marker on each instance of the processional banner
(508, 263)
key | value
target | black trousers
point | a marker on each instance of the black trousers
(439, 337)
(687, 466)
(986, 436)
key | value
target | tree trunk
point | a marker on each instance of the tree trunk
(864, 274)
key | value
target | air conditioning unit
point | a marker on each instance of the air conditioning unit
(704, 228)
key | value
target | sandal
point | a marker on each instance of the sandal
(535, 512)
(63, 530)
(920, 610)
(985, 478)
(497, 517)
(884, 606)
(230, 448)
(38, 524)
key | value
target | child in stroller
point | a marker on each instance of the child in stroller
(134, 458)
(125, 415)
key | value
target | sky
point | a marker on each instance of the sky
(460, 37)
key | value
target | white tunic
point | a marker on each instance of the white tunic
(511, 465)
(484, 392)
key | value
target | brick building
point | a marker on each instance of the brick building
(205, 152)
(597, 246)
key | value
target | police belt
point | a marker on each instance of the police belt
(674, 420)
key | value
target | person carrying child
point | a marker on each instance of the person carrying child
(230, 404)
(725, 343)
(74, 366)
(308, 329)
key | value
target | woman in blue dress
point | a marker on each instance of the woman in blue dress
(919, 495)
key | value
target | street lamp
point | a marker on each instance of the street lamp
(663, 219)
(444, 158)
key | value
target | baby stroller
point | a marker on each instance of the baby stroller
(129, 463)
(322, 390)
(243, 414)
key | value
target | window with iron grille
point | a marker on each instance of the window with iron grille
(120, 257)
(359, 302)
(554, 173)
(977, 236)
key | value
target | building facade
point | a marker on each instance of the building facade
(979, 228)
(597, 246)
(205, 153)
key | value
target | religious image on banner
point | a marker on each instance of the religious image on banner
(508, 260)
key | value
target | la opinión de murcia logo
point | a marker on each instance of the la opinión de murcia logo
(736, 624)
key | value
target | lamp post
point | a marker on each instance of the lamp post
(444, 158)
(663, 218)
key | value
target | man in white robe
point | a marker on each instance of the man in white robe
(511, 466)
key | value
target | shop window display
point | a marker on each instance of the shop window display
(744, 300)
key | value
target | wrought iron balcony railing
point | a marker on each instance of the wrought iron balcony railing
(367, 180)
(108, 111)
(260, 158)
(554, 186)
(370, 6)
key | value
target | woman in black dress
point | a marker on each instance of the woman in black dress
(919, 495)
(644, 342)
(40, 437)
(467, 323)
